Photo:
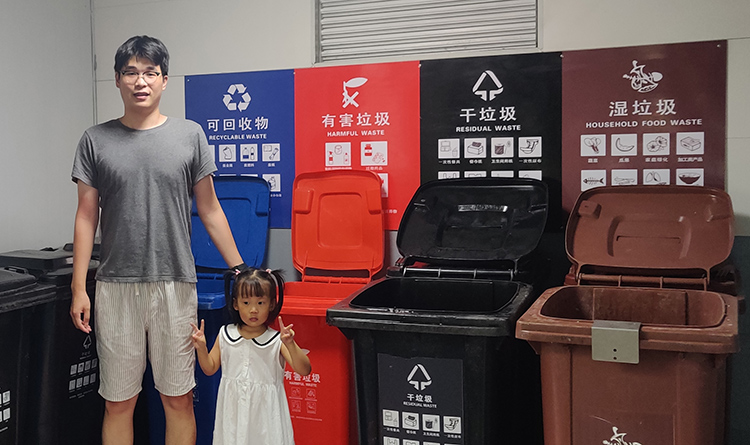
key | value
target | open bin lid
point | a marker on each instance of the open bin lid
(473, 220)
(245, 201)
(650, 231)
(337, 225)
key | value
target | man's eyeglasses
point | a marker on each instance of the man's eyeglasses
(131, 77)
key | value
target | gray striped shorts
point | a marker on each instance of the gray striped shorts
(136, 319)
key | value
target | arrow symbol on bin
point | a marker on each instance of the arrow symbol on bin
(419, 378)
(87, 342)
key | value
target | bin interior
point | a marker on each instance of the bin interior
(437, 294)
(648, 306)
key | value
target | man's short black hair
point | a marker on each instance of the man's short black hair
(143, 47)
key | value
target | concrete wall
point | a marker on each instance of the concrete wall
(47, 100)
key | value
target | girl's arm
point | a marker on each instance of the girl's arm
(209, 362)
(292, 353)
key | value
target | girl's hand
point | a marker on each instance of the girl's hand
(287, 333)
(199, 337)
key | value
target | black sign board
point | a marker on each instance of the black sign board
(494, 117)
(421, 400)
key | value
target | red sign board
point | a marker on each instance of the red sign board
(644, 115)
(362, 117)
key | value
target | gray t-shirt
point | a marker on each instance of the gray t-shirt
(145, 181)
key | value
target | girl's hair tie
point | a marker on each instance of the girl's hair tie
(239, 268)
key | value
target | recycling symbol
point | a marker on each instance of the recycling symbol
(490, 84)
(237, 88)
(419, 378)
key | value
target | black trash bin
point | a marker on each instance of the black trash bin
(23, 301)
(64, 368)
(435, 357)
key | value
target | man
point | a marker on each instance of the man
(143, 170)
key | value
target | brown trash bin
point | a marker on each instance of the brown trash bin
(636, 352)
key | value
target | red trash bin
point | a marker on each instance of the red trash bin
(636, 352)
(337, 245)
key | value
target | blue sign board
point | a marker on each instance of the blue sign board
(248, 119)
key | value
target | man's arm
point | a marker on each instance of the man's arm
(215, 221)
(86, 221)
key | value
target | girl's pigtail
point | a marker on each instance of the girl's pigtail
(278, 280)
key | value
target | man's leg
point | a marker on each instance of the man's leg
(121, 347)
(172, 356)
(178, 410)
(117, 428)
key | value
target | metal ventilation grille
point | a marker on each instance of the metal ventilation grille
(364, 29)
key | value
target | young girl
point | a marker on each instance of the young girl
(251, 406)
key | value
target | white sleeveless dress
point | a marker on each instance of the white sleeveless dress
(251, 406)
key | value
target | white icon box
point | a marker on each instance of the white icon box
(624, 144)
(248, 152)
(338, 154)
(271, 152)
(692, 143)
(689, 176)
(227, 153)
(593, 178)
(449, 175)
(593, 145)
(533, 174)
(501, 148)
(530, 147)
(374, 153)
(451, 424)
(431, 422)
(448, 148)
(501, 173)
(656, 176)
(655, 144)
(383, 185)
(410, 420)
(475, 148)
(390, 418)
(475, 174)
(625, 177)
(274, 181)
